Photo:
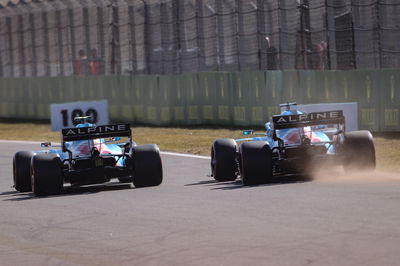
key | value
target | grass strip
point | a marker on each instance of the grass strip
(192, 140)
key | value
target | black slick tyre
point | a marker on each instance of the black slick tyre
(125, 179)
(46, 172)
(147, 166)
(21, 171)
(224, 159)
(359, 151)
(256, 162)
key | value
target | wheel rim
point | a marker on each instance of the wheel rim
(213, 166)
(14, 172)
(32, 180)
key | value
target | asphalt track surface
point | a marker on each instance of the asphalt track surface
(192, 220)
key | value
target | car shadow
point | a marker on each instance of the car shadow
(9, 193)
(205, 182)
(68, 191)
(238, 184)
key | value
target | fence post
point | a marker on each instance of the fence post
(132, 38)
(200, 32)
(220, 40)
(378, 28)
(115, 49)
(71, 34)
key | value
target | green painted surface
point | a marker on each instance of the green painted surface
(217, 98)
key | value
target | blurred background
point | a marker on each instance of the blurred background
(101, 37)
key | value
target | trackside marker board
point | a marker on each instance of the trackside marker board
(63, 114)
(350, 111)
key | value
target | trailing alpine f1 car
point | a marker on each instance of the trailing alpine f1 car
(88, 154)
(295, 143)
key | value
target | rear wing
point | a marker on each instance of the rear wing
(305, 120)
(96, 132)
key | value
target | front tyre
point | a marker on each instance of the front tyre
(223, 160)
(256, 162)
(21, 171)
(147, 166)
(359, 151)
(46, 173)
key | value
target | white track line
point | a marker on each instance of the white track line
(186, 155)
(19, 141)
(162, 152)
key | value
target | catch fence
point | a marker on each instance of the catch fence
(101, 37)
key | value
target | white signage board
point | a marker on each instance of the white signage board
(350, 111)
(63, 114)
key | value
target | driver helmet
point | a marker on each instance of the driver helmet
(85, 125)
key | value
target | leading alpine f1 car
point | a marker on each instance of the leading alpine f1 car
(294, 143)
(89, 154)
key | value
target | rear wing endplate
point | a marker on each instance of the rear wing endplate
(95, 132)
(305, 120)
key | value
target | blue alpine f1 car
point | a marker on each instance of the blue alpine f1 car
(88, 154)
(295, 143)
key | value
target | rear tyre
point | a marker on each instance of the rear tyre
(46, 172)
(147, 166)
(256, 162)
(359, 151)
(223, 160)
(21, 171)
(125, 179)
